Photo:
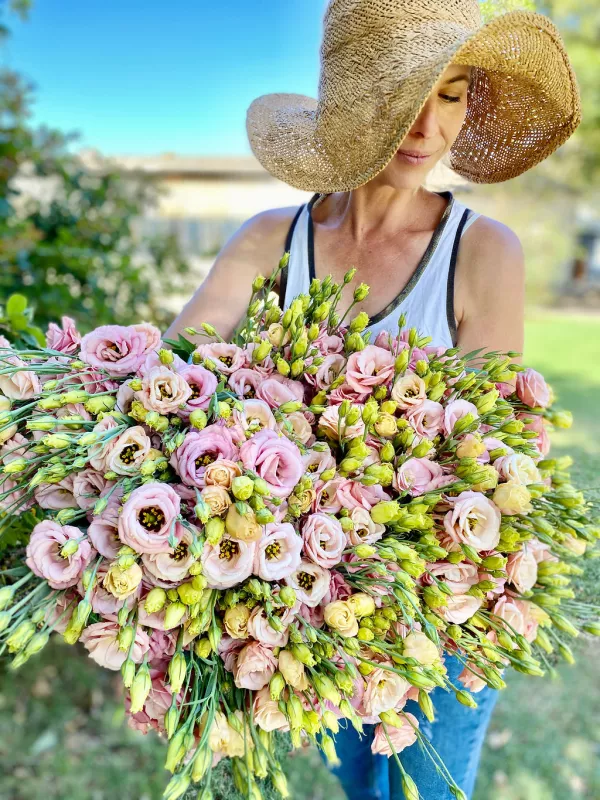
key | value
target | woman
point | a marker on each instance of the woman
(405, 84)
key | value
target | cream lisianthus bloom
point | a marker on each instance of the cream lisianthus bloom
(122, 582)
(419, 647)
(340, 616)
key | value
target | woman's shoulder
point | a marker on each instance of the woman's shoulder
(260, 240)
(488, 244)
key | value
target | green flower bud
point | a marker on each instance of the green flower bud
(354, 343)
(361, 292)
(385, 512)
(203, 648)
(287, 595)
(140, 689)
(177, 672)
(174, 614)
(198, 419)
(359, 323)
(128, 672)
(276, 685)
(242, 487)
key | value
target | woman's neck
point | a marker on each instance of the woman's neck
(377, 211)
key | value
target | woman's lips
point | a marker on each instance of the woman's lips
(411, 157)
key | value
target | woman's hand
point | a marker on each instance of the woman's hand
(221, 300)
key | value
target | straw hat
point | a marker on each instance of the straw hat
(380, 59)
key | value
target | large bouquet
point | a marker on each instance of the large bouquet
(285, 531)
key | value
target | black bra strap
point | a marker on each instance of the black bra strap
(283, 278)
(451, 273)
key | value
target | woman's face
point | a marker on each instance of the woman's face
(433, 132)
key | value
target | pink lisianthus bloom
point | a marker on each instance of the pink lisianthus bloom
(338, 589)
(472, 679)
(365, 531)
(254, 667)
(399, 738)
(202, 383)
(106, 440)
(147, 517)
(315, 462)
(229, 649)
(311, 583)
(275, 459)
(22, 384)
(162, 647)
(352, 494)
(473, 520)
(163, 390)
(426, 419)
(167, 569)
(458, 577)
(532, 389)
(127, 452)
(201, 448)
(44, 556)
(227, 563)
(55, 496)
(244, 382)
(275, 392)
(329, 343)
(100, 640)
(460, 608)
(329, 423)
(103, 529)
(58, 615)
(345, 392)
(267, 715)
(117, 349)
(520, 616)
(65, 339)
(326, 498)
(260, 629)
(88, 486)
(158, 702)
(417, 476)
(278, 553)
(331, 368)
(456, 410)
(370, 367)
(324, 539)
(227, 357)
(522, 569)
(537, 424)
(255, 415)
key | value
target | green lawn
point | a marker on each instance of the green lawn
(62, 735)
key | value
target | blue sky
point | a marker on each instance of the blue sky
(143, 76)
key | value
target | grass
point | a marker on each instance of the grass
(62, 734)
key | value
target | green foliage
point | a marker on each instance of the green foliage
(16, 323)
(67, 234)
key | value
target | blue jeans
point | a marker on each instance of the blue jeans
(457, 734)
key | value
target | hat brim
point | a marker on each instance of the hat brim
(523, 104)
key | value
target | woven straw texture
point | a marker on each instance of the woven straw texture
(380, 59)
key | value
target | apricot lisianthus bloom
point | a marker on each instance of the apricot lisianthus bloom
(409, 391)
(267, 715)
(398, 738)
(100, 640)
(255, 666)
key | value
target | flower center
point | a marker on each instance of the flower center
(195, 391)
(181, 552)
(228, 549)
(128, 453)
(273, 550)
(312, 468)
(204, 460)
(249, 392)
(227, 360)
(306, 580)
(152, 518)
(165, 390)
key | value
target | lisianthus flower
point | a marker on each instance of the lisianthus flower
(119, 350)
(147, 517)
(473, 520)
(310, 581)
(275, 459)
(395, 740)
(100, 640)
(278, 553)
(45, 558)
(201, 448)
(324, 539)
(227, 357)
(370, 367)
(227, 563)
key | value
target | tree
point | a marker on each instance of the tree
(67, 240)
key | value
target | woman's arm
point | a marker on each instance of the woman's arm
(221, 300)
(490, 288)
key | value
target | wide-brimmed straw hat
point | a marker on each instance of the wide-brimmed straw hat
(380, 60)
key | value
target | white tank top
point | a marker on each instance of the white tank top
(427, 300)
